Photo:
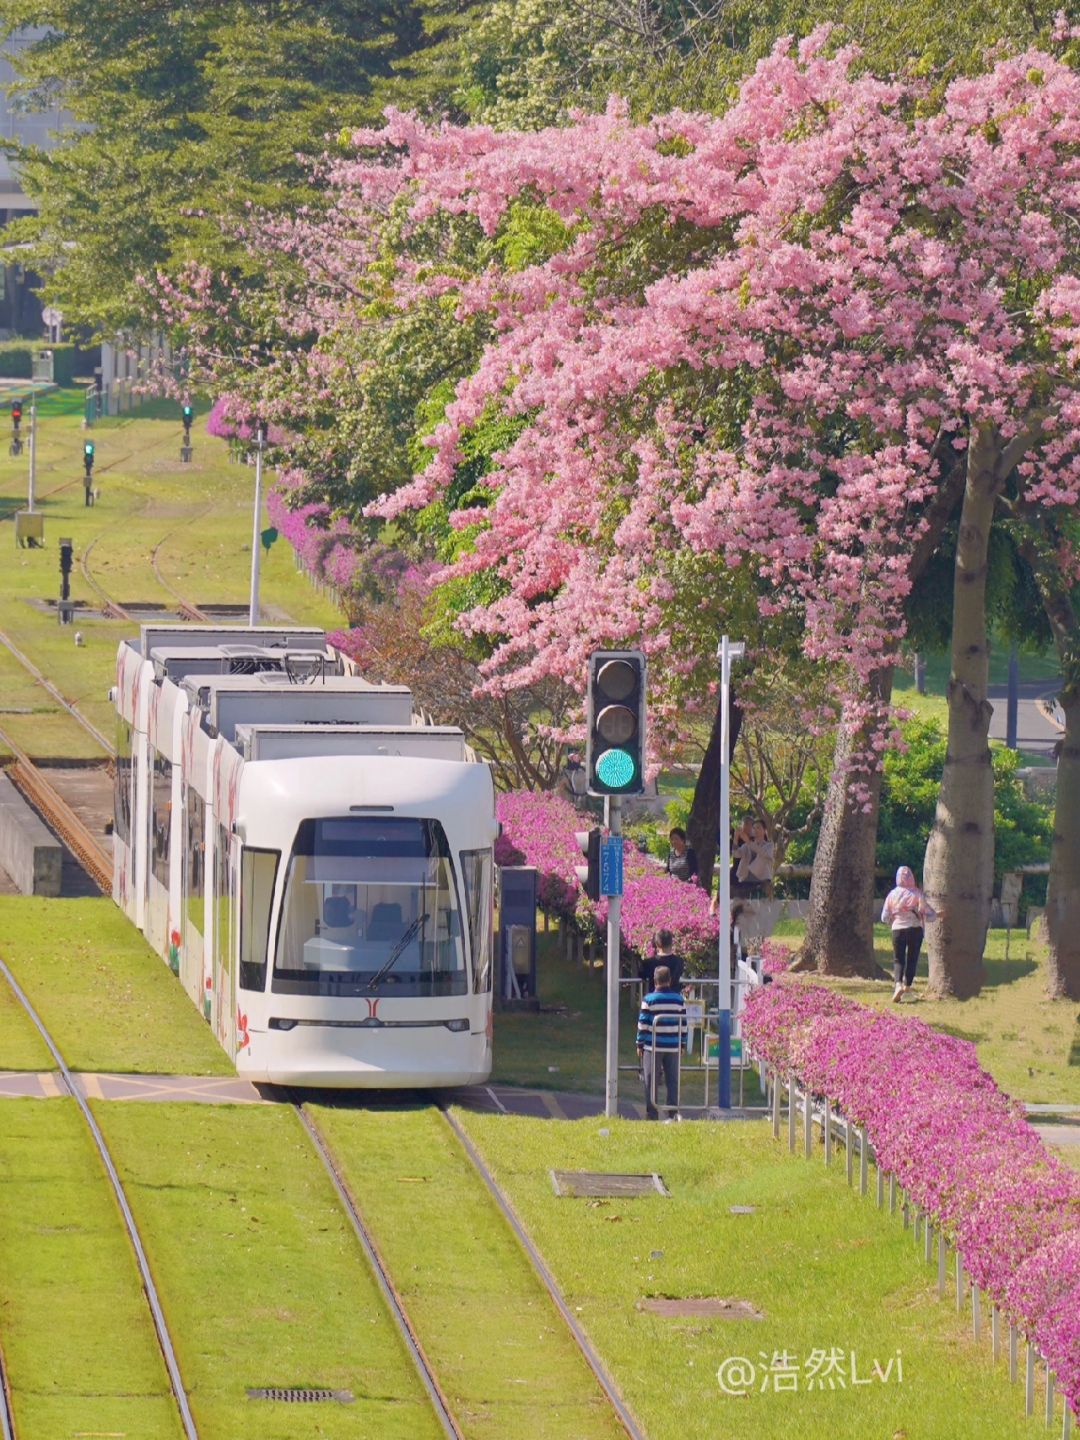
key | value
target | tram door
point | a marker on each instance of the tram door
(193, 907)
(226, 918)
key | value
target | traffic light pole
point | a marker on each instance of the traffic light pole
(611, 1089)
(727, 652)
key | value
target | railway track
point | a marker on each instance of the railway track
(153, 1300)
(47, 685)
(59, 815)
(390, 1294)
(592, 1359)
(183, 605)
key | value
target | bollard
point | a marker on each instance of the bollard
(1012, 1353)
(808, 1125)
(791, 1113)
(827, 1127)
(1029, 1381)
(776, 1107)
(863, 1159)
(941, 1253)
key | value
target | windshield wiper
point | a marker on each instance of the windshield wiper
(397, 952)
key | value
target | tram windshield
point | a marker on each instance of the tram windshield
(370, 908)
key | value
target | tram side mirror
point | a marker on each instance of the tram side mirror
(108, 827)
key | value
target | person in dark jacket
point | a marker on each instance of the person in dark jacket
(682, 861)
(664, 956)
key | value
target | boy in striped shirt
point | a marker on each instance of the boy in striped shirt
(661, 1027)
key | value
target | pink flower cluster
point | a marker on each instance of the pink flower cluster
(539, 829)
(960, 1147)
(775, 957)
(324, 546)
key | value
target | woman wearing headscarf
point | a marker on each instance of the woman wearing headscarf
(907, 910)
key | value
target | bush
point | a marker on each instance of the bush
(16, 357)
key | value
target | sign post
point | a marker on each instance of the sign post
(612, 871)
(727, 652)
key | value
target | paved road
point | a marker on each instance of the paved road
(1033, 731)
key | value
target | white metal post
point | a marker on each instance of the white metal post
(727, 652)
(611, 1088)
(33, 447)
(260, 440)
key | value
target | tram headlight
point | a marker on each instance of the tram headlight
(457, 1026)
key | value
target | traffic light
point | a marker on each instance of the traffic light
(615, 720)
(16, 413)
(589, 874)
(66, 552)
(188, 413)
(88, 456)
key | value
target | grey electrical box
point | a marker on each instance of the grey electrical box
(517, 933)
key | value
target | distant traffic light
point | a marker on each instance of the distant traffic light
(589, 873)
(615, 720)
(88, 456)
(16, 413)
(188, 413)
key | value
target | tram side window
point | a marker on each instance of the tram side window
(196, 857)
(122, 787)
(258, 871)
(161, 819)
(476, 867)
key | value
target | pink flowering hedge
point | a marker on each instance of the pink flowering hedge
(539, 829)
(960, 1146)
(775, 957)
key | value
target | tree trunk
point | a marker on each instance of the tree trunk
(840, 923)
(704, 821)
(1063, 887)
(959, 867)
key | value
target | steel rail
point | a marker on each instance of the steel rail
(382, 1275)
(185, 607)
(59, 814)
(592, 1359)
(149, 1288)
(7, 1414)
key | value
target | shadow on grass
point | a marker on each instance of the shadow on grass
(1004, 972)
(1074, 1053)
(955, 1031)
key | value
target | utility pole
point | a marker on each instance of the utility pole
(33, 447)
(727, 652)
(260, 446)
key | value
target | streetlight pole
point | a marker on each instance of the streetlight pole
(727, 652)
(33, 447)
(260, 446)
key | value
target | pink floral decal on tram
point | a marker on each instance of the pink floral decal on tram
(243, 1039)
(174, 951)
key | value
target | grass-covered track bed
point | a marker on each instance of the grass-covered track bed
(507, 1363)
(79, 1346)
(824, 1266)
(21, 1047)
(263, 1281)
(108, 1001)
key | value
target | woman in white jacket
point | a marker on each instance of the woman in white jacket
(907, 910)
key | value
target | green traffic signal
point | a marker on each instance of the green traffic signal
(189, 415)
(615, 769)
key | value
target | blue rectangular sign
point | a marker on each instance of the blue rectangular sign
(611, 865)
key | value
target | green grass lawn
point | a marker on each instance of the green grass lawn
(21, 1047)
(503, 1355)
(1031, 1045)
(263, 1282)
(199, 515)
(78, 1341)
(109, 1002)
(824, 1266)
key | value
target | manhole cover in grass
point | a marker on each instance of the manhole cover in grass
(741, 1209)
(597, 1183)
(300, 1395)
(702, 1305)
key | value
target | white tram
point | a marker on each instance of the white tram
(314, 861)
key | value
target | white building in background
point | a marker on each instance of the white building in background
(19, 310)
